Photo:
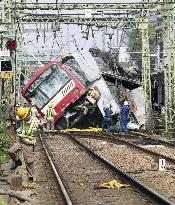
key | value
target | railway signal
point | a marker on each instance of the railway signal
(11, 45)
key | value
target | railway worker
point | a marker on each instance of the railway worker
(50, 117)
(25, 142)
(124, 113)
(107, 117)
(17, 106)
(33, 111)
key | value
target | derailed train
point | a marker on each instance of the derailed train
(77, 89)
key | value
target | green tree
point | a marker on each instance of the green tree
(2, 202)
(134, 38)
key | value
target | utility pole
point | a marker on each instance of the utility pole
(146, 80)
(169, 65)
(7, 113)
(7, 22)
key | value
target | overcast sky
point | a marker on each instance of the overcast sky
(70, 37)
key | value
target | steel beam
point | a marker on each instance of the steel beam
(115, 22)
(18, 61)
(80, 6)
(169, 66)
(7, 11)
(146, 78)
(7, 22)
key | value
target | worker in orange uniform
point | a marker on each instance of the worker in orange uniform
(26, 142)
(50, 117)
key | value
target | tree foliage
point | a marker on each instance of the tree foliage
(2, 202)
(134, 38)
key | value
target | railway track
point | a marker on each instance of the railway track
(138, 143)
(153, 140)
(135, 162)
(80, 171)
(65, 199)
(46, 192)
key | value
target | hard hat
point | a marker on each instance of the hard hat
(64, 54)
(33, 103)
(17, 104)
(95, 88)
(126, 103)
(107, 105)
(22, 113)
(50, 105)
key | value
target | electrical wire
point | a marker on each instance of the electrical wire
(59, 8)
(31, 1)
(65, 44)
(54, 39)
(121, 40)
(87, 62)
(53, 44)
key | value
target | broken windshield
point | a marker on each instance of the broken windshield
(47, 85)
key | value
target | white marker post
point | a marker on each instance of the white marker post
(161, 164)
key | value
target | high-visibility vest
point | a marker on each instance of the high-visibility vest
(27, 133)
(32, 111)
(49, 114)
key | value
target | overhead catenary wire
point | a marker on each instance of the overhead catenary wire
(55, 34)
(68, 42)
(31, 1)
(87, 62)
(55, 40)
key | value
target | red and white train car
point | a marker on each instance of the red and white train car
(53, 84)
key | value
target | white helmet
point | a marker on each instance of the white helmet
(107, 105)
(126, 103)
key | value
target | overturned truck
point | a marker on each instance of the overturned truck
(104, 75)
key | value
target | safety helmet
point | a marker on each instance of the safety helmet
(107, 105)
(50, 105)
(17, 104)
(126, 103)
(33, 103)
(22, 112)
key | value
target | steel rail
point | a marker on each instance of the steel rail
(113, 139)
(125, 177)
(169, 159)
(63, 189)
(170, 144)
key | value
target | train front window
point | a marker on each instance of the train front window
(54, 82)
(37, 97)
(40, 79)
(47, 85)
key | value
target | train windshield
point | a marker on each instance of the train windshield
(47, 85)
(74, 68)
